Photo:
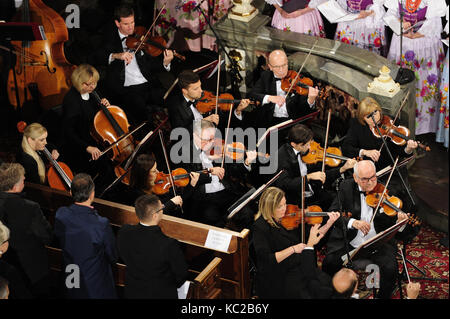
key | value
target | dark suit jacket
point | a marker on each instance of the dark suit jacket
(87, 240)
(115, 72)
(30, 231)
(30, 166)
(275, 279)
(297, 105)
(155, 262)
(318, 284)
(361, 137)
(351, 202)
(291, 180)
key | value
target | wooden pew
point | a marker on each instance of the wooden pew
(234, 269)
(206, 284)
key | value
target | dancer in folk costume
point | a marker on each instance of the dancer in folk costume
(422, 52)
(442, 131)
(307, 20)
(367, 31)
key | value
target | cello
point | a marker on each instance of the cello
(41, 68)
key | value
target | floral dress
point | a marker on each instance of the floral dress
(424, 56)
(182, 14)
(367, 33)
(309, 23)
(442, 131)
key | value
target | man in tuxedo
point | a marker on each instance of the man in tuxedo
(290, 159)
(276, 106)
(359, 228)
(131, 78)
(219, 188)
(87, 240)
(155, 263)
(30, 231)
(182, 105)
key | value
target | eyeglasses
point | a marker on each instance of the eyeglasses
(90, 84)
(278, 66)
(162, 208)
(367, 179)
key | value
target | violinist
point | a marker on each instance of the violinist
(79, 108)
(142, 178)
(275, 107)
(33, 143)
(290, 159)
(359, 228)
(131, 79)
(182, 106)
(278, 250)
(361, 142)
(215, 191)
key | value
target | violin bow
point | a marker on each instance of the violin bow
(149, 29)
(301, 68)
(326, 141)
(199, 69)
(168, 166)
(226, 135)
(388, 169)
(218, 81)
(384, 191)
(396, 116)
(303, 209)
(404, 265)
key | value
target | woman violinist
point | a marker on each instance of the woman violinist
(33, 144)
(277, 249)
(361, 141)
(143, 176)
(79, 109)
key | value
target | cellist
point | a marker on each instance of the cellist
(131, 79)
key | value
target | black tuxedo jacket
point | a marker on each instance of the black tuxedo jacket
(318, 283)
(297, 105)
(155, 263)
(351, 202)
(115, 71)
(291, 180)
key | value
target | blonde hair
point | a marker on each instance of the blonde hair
(367, 106)
(268, 204)
(4, 233)
(83, 73)
(34, 131)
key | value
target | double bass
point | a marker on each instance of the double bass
(41, 69)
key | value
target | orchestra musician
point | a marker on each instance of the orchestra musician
(131, 79)
(143, 174)
(182, 106)
(215, 190)
(359, 228)
(33, 142)
(278, 250)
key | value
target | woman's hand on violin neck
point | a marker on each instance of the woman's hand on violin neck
(374, 155)
(312, 94)
(177, 200)
(218, 171)
(105, 102)
(410, 146)
(315, 235)
(318, 176)
(168, 57)
(332, 217)
(94, 151)
(213, 118)
(278, 100)
(194, 178)
(55, 154)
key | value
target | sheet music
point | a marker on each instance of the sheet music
(394, 23)
(335, 13)
(445, 41)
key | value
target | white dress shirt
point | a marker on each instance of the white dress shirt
(303, 172)
(366, 215)
(215, 185)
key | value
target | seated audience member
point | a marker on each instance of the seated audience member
(17, 287)
(87, 241)
(30, 231)
(4, 290)
(155, 262)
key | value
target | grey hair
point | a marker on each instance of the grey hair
(4, 233)
(355, 168)
(200, 125)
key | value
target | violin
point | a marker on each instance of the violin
(154, 45)
(391, 204)
(398, 134)
(234, 150)
(180, 178)
(313, 215)
(207, 102)
(300, 86)
(315, 154)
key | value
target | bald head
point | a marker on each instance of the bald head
(345, 282)
(364, 174)
(278, 63)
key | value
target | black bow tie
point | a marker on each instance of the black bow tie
(191, 103)
(362, 192)
(277, 79)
